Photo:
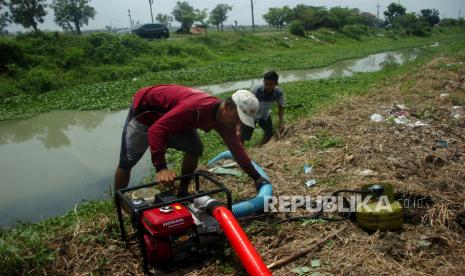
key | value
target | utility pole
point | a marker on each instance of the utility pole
(130, 19)
(377, 14)
(151, 13)
(460, 13)
(253, 23)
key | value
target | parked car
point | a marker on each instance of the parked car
(151, 31)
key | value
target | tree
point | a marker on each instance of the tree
(431, 16)
(71, 15)
(311, 17)
(186, 15)
(202, 18)
(28, 13)
(339, 17)
(219, 14)
(164, 19)
(412, 24)
(278, 17)
(394, 10)
(4, 18)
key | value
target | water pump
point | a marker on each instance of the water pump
(174, 232)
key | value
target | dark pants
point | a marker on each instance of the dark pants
(265, 124)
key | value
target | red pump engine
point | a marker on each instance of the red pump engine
(169, 233)
(178, 231)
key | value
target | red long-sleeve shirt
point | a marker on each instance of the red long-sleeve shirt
(170, 109)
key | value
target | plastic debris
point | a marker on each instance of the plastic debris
(315, 263)
(444, 95)
(310, 182)
(366, 172)
(308, 169)
(418, 124)
(442, 144)
(225, 171)
(457, 112)
(377, 117)
(401, 120)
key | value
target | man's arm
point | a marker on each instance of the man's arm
(281, 103)
(234, 144)
(172, 122)
(280, 118)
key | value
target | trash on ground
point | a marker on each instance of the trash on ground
(316, 263)
(444, 95)
(225, 171)
(401, 120)
(442, 144)
(366, 172)
(417, 124)
(308, 169)
(310, 182)
(457, 112)
(377, 117)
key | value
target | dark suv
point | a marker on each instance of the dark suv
(151, 31)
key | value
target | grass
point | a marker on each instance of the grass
(237, 65)
(25, 249)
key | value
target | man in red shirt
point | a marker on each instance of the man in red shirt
(168, 115)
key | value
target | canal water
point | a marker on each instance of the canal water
(53, 161)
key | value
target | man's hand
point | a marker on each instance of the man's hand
(166, 177)
(259, 182)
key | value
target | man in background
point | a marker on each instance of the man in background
(267, 94)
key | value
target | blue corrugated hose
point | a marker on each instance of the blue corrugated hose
(254, 205)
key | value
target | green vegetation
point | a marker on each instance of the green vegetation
(44, 62)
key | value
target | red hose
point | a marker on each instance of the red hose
(250, 259)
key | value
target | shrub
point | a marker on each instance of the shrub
(296, 28)
(354, 31)
(73, 58)
(8, 88)
(40, 79)
(12, 53)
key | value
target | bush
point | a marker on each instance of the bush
(296, 28)
(73, 58)
(8, 88)
(40, 79)
(12, 53)
(105, 48)
(354, 31)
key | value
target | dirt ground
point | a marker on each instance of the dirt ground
(423, 162)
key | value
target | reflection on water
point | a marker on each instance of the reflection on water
(346, 68)
(52, 161)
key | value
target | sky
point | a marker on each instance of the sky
(115, 12)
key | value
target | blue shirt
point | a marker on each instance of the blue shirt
(266, 100)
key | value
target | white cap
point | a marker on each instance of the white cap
(247, 106)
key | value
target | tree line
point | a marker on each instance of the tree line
(304, 18)
(71, 15)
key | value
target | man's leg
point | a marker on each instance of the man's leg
(134, 143)
(189, 165)
(188, 142)
(121, 178)
(267, 126)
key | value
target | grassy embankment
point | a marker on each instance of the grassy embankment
(27, 248)
(194, 61)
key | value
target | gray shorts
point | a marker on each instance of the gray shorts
(135, 142)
